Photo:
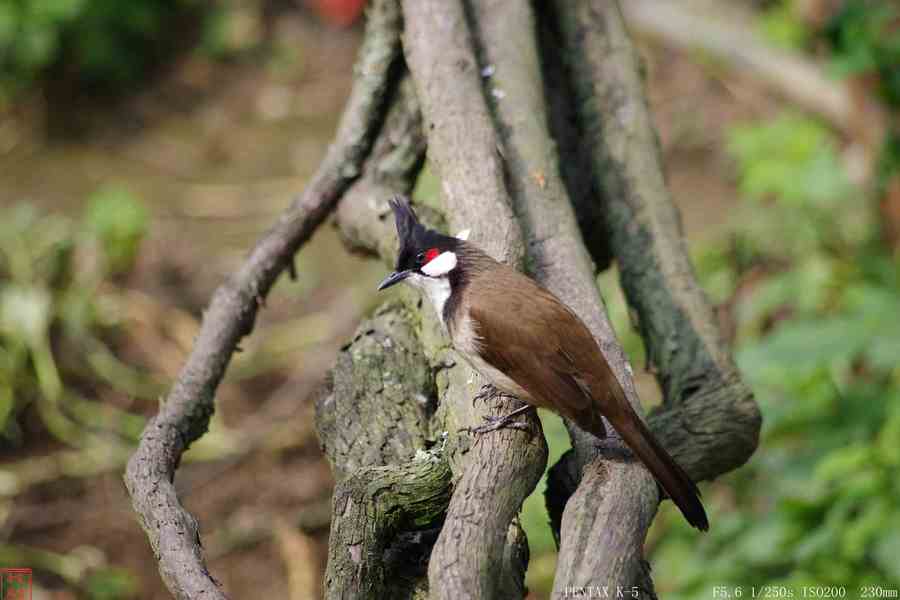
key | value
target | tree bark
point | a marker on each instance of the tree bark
(709, 418)
(493, 474)
(709, 421)
(602, 516)
(184, 415)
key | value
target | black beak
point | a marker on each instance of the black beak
(393, 278)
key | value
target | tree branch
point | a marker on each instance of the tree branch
(709, 422)
(493, 473)
(364, 219)
(366, 223)
(800, 81)
(616, 498)
(374, 420)
(376, 414)
(184, 417)
(372, 508)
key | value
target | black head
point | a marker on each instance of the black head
(418, 246)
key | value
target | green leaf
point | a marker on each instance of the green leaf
(887, 551)
(25, 313)
(53, 12)
(9, 22)
(120, 221)
(888, 442)
(844, 462)
(762, 544)
(36, 45)
(863, 531)
(111, 584)
(806, 345)
(7, 402)
(782, 28)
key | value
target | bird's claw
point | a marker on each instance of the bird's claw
(494, 423)
(486, 393)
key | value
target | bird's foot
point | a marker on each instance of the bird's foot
(487, 393)
(506, 421)
(494, 423)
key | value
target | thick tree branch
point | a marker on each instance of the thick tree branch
(364, 219)
(574, 162)
(185, 414)
(709, 421)
(366, 223)
(616, 498)
(372, 509)
(799, 80)
(376, 415)
(374, 420)
(494, 473)
(376, 404)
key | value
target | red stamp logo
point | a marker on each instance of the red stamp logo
(15, 584)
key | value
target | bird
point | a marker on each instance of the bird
(528, 344)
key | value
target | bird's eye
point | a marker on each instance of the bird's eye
(420, 258)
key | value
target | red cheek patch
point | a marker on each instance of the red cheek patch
(431, 254)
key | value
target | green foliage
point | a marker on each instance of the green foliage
(781, 27)
(111, 584)
(864, 37)
(52, 311)
(105, 42)
(791, 160)
(534, 517)
(119, 221)
(231, 29)
(818, 339)
(82, 569)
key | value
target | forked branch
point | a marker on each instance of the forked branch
(185, 413)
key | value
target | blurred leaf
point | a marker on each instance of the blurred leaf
(791, 160)
(8, 23)
(889, 437)
(814, 276)
(35, 47)
(7, 402)
(111, 584)
(887, 550)
(99, 43)
(864, 40)
(806, 345)
(782, 28)
(762, 544)
(816, 542)
(120, 222)
(863, 531)
(842, 463)
(25, 313)
(817, 297)
(54, 11)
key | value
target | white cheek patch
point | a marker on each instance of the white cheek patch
(440, 265)
(464, 234)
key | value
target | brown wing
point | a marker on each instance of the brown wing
(527, 342)
(542, 346)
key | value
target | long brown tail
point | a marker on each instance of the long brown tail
(680, 488)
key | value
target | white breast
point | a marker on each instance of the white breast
(436, 288)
